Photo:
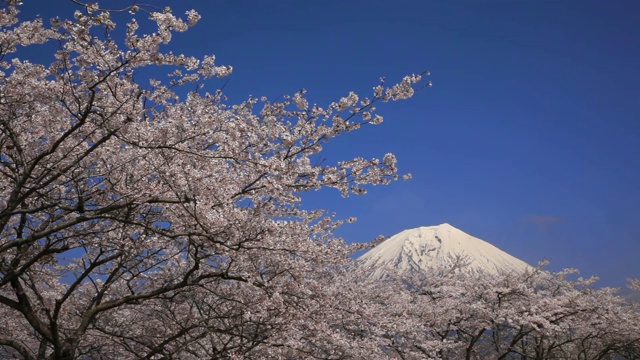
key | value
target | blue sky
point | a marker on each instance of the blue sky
(527, 139)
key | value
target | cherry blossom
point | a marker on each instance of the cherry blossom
(141, 220)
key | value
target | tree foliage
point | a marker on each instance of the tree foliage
(140, 223)
(453, 314)
(143, 221)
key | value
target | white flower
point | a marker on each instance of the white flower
(376, 120)
(300, 102)
(192, 17)
(92, 7)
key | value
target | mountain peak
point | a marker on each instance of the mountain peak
(430, 247)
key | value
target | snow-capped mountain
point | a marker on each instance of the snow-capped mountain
(437, 247)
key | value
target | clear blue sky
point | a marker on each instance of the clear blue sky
(529, 137)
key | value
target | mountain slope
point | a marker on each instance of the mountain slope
(434, 247)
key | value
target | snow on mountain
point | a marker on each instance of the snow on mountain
(433, 247)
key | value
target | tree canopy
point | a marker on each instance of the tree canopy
(141, 220)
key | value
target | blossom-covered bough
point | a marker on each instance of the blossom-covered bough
(141, 222)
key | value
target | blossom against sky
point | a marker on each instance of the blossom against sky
(528, 138)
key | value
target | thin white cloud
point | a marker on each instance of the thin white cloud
(543, 221)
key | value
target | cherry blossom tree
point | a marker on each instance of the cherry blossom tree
(142, 220)
(146, 218)
(454, 314)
